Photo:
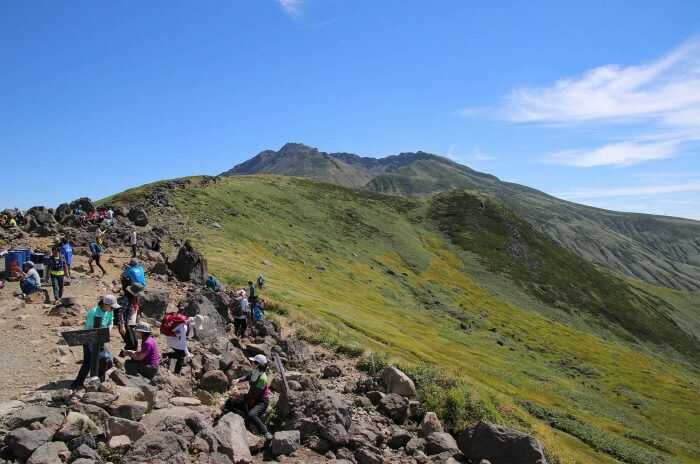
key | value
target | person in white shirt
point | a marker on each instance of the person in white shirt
(178, 343)
(133, 240)
(240, 310)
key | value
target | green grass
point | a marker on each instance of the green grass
(372, 272)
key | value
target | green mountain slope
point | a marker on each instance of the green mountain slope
(389, 274)
(660, 250)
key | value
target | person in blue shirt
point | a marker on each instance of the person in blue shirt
(67, 254)
(134, 274)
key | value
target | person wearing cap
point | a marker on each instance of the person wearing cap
(146, 361)
(104, 312)
(258, 397)
(127, 316)
(31, 281)
(133, 274)
(57, 270)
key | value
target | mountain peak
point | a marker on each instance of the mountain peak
(296, 148)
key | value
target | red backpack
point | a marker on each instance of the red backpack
(170, 322)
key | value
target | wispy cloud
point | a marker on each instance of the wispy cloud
(643, 190)
(291, 7)
(661, 99)
(476, 155)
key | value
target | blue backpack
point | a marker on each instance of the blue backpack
(258, 314)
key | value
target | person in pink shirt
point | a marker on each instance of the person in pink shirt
(144, 362)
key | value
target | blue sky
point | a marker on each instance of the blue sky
(597, 102)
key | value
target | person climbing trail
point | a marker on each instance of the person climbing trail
(67, 253)
(127, 317)
(134, 274)
(240, 312)
(104, 311)
(175, 328)
(57, 270)
(95, 256)
(257, 399)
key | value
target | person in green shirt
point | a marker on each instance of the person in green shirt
(103, 311)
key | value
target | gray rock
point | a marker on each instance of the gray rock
(189, 265)
(214, 381)
(369, 455)
(132, 410)
(375, 397)
(117, 426)
(415, 445)
(285, 443)
(430, 424)
(395, 407)
(22, 442)
(397, 382)
(98, 415)
(49, 453)
(138, 216)
(31, 414)
(232, 433)
(103, 400)
(121, 443)
(85, 452)
(213, 325)
(154, 302)
(399, 438)
(76, 425)
(158, 448)
(500, 444)
(331, 371)
(440, 442)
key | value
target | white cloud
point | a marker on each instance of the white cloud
(475, 156)
(660, 99)
(291, 7)
(616, 154)
(643, 190)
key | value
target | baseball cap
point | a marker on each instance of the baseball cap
(111, 300)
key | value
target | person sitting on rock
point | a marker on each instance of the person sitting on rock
(257, 399)
(31, 281)
(95, 255)
(104, 312)
(133, 274)
(146, 361)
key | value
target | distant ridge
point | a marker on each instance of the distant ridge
(657, 249)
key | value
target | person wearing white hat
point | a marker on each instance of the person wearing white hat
(146, 361)
(258, 397)
(103, 312)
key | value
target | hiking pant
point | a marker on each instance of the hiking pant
(104, 363)
(27, 287)
(133, 251)
(239, 325)
(179, 357)
(255, 415)
(129, 337)
(57, 284)
(96, 259)
(134, 367)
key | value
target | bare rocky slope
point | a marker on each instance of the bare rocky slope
(656, 249)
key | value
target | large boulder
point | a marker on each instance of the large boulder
(323, 414)
(76, 425)
(232, 434)
(84, 203)
(34, 413)
(154, 302)
(189, 265)
(220, 300)
(496, 444)
(398, 382)
(440, 442)
(138, 216)
(22, 442)
(64, 213)
(40, 220)
(159, 448)
(395, 407)
(212, 324)
(49, 453)
(285, 442)
(214, 381)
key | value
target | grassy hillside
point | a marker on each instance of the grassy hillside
(660, 250)
(363, 271)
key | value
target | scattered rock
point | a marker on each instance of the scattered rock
(76, 425)
(331, 371)
(430, 424)
(22, 442)
(285, 443)
(395, 407)
(49, 453)
(121, 443)
(132, 410)
(232, 438)
(214, 381)
(500, 444)
(440, 442)
(397, 382)
(118, 426)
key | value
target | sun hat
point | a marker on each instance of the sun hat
(142, 327)
(259, 359)
(111, 300)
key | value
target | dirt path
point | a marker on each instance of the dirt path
(31, 357)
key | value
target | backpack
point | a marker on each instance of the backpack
(170, 322)
(236, 308)
(258, 313)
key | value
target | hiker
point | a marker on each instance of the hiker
(109, 217)
(31, 281)
(240, 313)
(13, 222)
(95, 255)
(257, 399)
(103, 311)
(175, 327)
(67, 253)
(127, 317)
(261, 281)
(257, 309)
(251, 291)
(213, 284)
(146, 361)
(133, 274)
(57, 270)
(133, 241)
(100, 236)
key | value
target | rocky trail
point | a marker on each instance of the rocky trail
(331, 412)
